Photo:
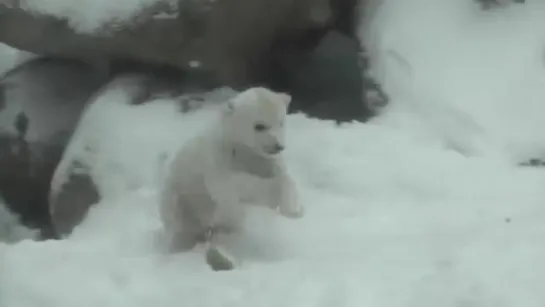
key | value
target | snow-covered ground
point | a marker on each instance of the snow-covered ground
(424, 206)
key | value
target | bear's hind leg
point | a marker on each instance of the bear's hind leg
(217, 256)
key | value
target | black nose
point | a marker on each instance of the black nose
(277, 148)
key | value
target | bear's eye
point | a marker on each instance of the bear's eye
(260, 127)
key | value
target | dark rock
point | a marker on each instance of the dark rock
(42, 101)
(233, 38)
(236, 43)
(70, 203)
(329, 83)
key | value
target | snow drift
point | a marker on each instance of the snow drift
(472, 78)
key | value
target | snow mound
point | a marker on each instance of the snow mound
(473, 78)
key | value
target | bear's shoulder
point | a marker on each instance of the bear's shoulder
(198, 153)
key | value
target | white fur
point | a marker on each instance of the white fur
(204, 189)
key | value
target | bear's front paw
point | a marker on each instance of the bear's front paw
(293, 212)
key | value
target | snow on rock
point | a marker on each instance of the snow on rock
(87, 16)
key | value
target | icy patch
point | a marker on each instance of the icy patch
(88, 16)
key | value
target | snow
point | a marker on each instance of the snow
(9, 57)
(88, 16)
(424, 206)
(6, 57)
(473, 78)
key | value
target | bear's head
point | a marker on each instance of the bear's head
(255, 119)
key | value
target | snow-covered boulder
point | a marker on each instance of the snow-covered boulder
(40, 104)
(240, 41)
(122, 141)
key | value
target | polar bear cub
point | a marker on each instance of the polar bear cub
(236, 161)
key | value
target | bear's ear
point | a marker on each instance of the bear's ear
(285, 98)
